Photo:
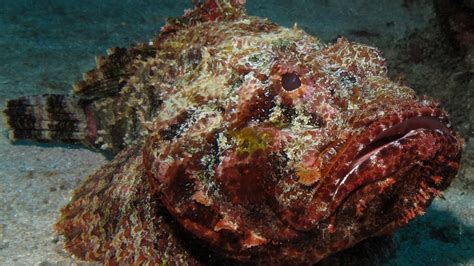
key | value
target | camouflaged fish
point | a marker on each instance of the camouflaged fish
(241, 141)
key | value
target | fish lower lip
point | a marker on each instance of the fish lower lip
(391, 201)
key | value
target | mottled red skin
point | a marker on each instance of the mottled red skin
(294, 230)
(248, 185)
(249, 170)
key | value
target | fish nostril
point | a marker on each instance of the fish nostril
(290, 81)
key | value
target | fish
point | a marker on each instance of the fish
(238, 140)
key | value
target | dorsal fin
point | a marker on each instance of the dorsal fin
(206, 11)
(215, 10)
(112, 70)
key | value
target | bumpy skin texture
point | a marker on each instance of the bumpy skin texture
(255, 142)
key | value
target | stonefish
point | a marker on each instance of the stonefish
(240, 140)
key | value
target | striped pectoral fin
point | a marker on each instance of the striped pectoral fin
(49, 118)
(115, 218)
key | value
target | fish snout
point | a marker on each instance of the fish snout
(393, 165)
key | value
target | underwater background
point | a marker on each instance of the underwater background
(45, 46)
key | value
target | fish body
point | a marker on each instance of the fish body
(245, 140)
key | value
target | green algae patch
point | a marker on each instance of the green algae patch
(249, 140)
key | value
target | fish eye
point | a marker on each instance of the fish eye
(290, 81)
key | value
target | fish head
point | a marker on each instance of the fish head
(280, 139)
(360, 136)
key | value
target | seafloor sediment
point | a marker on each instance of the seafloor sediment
(45, 46)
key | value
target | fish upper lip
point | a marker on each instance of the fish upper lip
(392, 134)
(399, 130)
(404, 128)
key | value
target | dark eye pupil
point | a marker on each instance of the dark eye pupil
(290, 81)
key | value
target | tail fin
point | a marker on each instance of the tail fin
(47, 118)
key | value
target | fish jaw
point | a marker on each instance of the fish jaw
(418, 144)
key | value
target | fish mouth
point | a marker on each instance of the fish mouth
(418, 145)
(395, 137)
(422, 147)
(398, 132)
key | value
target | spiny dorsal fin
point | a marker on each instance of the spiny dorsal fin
(206, 11)
(111, 71)
(216, 10)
